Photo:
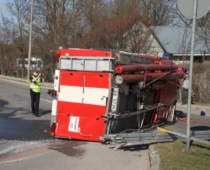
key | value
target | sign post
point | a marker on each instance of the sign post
(190, 76)
(192, 10)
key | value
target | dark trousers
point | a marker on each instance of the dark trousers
(35, 97)
(185, 96)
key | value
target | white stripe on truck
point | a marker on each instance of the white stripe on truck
(86, 95)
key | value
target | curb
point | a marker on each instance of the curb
(154, 158)
(24, 81)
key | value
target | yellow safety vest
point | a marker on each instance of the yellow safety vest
(36, 86)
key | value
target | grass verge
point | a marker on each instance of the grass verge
(174, 157)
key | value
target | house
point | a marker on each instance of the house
(176, 43)
(135, 34)
(131, 33)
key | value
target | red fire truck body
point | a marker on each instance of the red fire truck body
(103, 91)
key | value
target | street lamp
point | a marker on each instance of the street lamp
(29, 46)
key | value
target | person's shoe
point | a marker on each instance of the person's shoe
(192, 103)
(37, 115)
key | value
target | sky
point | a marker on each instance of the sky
(4, 2)
(3, 6)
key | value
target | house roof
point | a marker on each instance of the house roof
(177, 40)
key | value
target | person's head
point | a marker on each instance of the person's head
(186, 75)
(35, 72)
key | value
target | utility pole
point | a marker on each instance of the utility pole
(29, 46)
(2, 60)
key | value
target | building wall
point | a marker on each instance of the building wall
(186, 59)
(141, 39)
(155, 48)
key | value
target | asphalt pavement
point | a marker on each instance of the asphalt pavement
(25, 142)
(197, 120)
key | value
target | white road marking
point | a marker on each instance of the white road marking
(26, 84)
(49, 101)
(19, 149)
(22, 159)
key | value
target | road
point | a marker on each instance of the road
(197, 122)
(24, 145)
(16, 121)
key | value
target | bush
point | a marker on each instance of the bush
(201, 81)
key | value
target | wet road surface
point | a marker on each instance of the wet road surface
(26, 145)
(31, 148)
(16, 119)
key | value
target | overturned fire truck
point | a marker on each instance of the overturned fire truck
(98, 93)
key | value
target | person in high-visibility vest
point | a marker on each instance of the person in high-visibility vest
(35, 91)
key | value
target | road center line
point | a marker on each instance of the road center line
(49, 101)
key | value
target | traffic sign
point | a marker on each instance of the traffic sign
(192, 9)
(186, 8)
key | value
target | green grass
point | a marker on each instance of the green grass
(174, 157)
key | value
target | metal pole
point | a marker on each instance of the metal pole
(190, 76)
(29, 46)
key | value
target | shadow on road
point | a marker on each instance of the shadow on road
(15, 127)
(18, 128)
(3, 103)
(180, 113)
(44, 112)
(200, 128)
(136, 147)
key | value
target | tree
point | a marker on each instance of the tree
(93, 12)
(113, 24)
(124, 8)
(55, 24)
(158, 12)
(15, 28)
(204, 30)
